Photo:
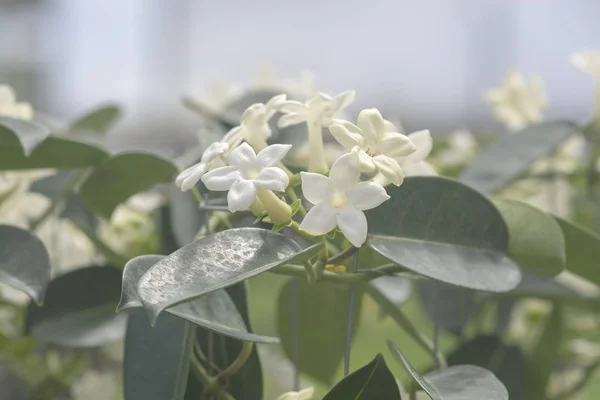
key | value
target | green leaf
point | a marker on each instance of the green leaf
(79, 309)
(215, 262)
(157, 358)
(24, 262)
(214, 311)
(444, 230)
(536, 241)
(247, 383)
(122, 176)
(451, 306)
(185, 217)
(510, 157)
(54, 152)
(26, 135)
(322, 317)
(51, 186)
(583, 250)
(373, 381)
(545, 355)
(546, 288)
(461, 382)
(97, 122)
(507, 363)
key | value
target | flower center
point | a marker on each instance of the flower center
(251, 173)
(338, 199)
(371, 149)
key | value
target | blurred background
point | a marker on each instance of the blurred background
(426, 62)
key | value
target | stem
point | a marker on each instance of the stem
(215, 385)
(398, 316)
(111, 256)
(295, 334)
(351, 305)
(316, 160)
(59, 199)
(589, 373)
(436, 332)
(205, 378)
(340, 277)
(293, 197)
(342, 256)
(197, 195)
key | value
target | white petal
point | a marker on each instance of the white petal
(371, 123)
(424, 143)
(346, 133)
(293, 107)
(7, 95)
(305, 394)
(272, 154)
(189, 177)
(343, 100)
(276, 102)
(419, 168)
(389, 168)
(395, 144)
(221, 178)
(315, 187)
(253, 113)
(291, 119)
(365, 161)
(344, 171)
(231, 134)
(367, 195)
(353, 224)
(319, 220)
(241, 195)
(242, 156)
(214, 150)
(272, 178)
(390, 127)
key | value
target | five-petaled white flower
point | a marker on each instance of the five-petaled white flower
(247, 174)
(414, 164)
(340, 200)
(9, 107)
(588, 62)
(377, 146)
(254, 124)
(304, 394)
(518, 103)
(189, 177)
(317, 112)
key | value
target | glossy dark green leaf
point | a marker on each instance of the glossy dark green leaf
(448, 305)
(506, 362)
(508, 158)
(54, 152)
(545, 355)
(536, 241)
(122, 176)
(247, 383)
(24, 262)
(444, 230)
(79, 309)
(322, 317)
(215, 262)
(583, 250)
(21, 135)
(460, 382)
(185, 216)
(214, 311)
(97, 122)
(373, 381)
(157, 359)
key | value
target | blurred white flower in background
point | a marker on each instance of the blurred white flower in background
(94, 385)
(589, 62)
(304, 394)
(9, 107)
(518, 102)
(462, 149)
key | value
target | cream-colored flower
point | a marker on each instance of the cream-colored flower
(9, 107)
(518, 103)
(304, 394)
(461, 150)
(588, 62)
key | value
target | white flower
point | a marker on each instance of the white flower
(300, 155)
(414, 164)
(340, 200)
(189, 177)
(304, 394)
(247, 173)
(378, 147)
(254, 124)
(462, 149)
(517, 102)
(588, 62)
(317, 112)
(9, 107)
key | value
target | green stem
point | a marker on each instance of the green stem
(343, 255)
(197, 195)
(203, 376)
(214, 386)
(59, 199)
(111, 256)
(398, 316)
(347, 278)
(293, 197)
